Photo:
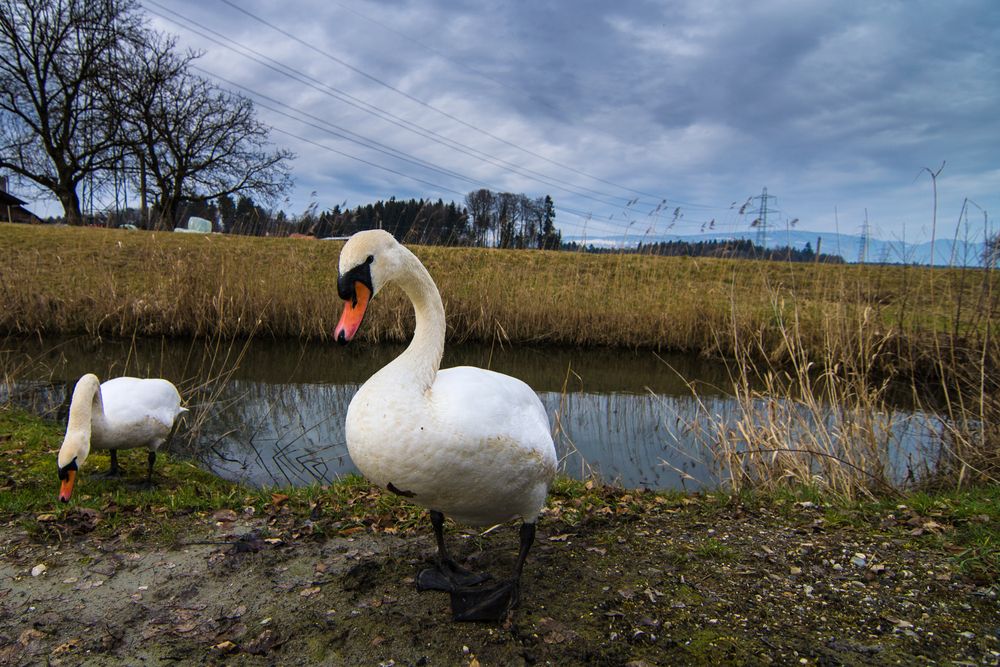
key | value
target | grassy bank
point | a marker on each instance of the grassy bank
(200, 569)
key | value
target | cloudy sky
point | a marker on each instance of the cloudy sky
(837, 108)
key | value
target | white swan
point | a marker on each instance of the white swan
(466, 442)
(120, 414)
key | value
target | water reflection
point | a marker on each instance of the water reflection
(273, 413)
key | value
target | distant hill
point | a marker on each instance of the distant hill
(946, 253)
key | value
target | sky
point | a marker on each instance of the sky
(636, 117)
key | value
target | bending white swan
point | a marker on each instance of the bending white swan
(466, 442)
(120, 414)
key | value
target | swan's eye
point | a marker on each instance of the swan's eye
(371, 258)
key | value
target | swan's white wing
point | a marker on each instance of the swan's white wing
(483, 404)
(130, 400)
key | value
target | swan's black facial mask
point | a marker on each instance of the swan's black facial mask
(362, 273)
(64, 471)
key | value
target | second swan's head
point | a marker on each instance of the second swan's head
(76, 443)
(368, 261)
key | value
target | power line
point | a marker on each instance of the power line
(291, 72)
(319, 86)
(440, 54)
(427, 105)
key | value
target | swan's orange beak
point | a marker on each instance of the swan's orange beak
(354, 312)
(66, 488)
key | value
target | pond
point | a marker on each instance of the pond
(272, 412)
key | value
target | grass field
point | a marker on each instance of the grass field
(114, 282)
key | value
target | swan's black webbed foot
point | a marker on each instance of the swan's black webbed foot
(493, 603)
(448, 576)
(489, 604)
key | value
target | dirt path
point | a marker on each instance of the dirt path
(685, 582)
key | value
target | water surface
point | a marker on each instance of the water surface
(272, 413)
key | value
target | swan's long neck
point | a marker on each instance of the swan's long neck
(422, 357)
(86, 407)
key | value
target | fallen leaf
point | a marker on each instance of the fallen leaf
(224, 647)
(71, 645)
(224, 515)
(559, 538)
(29, 636)
(309, 592)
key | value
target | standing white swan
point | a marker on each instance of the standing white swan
(466, 442)
(120, 414)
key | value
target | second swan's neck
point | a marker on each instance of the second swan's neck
(86, 407)
(422, 357)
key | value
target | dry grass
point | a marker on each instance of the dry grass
(111, 282)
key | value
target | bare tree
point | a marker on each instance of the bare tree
(506, 211)
(54, 131)
(191, 139)
(480, 206)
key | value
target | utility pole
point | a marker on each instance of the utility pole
(761, 222)
(863, 242)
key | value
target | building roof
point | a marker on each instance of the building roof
(7, 199)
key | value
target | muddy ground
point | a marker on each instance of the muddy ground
(684, 581)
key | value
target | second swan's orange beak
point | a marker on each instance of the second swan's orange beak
(354, 313)
(66, 488)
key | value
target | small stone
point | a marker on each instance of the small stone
(967, 634)
(859, 560)
(795, 571)
(38, 570)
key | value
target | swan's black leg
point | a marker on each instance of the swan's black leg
(447, 575)
(149, 472)
(492, 603)
(114, 470)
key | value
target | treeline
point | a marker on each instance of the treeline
(498, 219)
(727, 249)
